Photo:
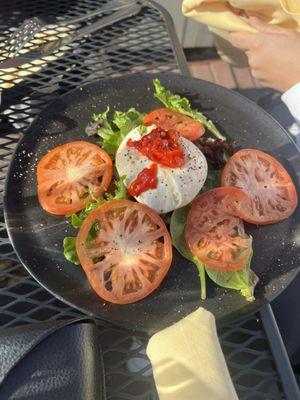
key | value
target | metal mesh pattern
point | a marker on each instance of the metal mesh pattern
(245, 345)
(250, 361)
(140, 43)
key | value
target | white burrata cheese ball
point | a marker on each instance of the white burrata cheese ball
(176, 187)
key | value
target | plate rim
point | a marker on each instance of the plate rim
(236, 315)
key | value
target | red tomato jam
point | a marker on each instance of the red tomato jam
(160, 146)
(146, 179)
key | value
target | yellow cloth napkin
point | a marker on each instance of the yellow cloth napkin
(221, 20)
(187, 361)
(218, 14)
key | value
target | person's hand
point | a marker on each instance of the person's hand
(273, 54)
(236, 11)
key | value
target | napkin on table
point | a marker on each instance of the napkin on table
(188, 362)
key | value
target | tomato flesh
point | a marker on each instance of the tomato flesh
(68, 174)
(167, 119)
(146, 179)
(272, 194)
(160, 146)
(129, 253)
(216, 236)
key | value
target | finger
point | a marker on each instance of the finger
(236, 11)
(253, 60)
(263, 26)
(244, 40)
(257, 74)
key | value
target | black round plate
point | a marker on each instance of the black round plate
(37, 236)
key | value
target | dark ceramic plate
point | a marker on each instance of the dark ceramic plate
(37, 236)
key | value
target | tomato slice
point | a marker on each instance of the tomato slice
(167, 119)
(125, 250)
(69, 173)
(272, 194)
(216, 236)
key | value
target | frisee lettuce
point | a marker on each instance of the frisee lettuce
(119, 193)
(78, 218)
(183, 106)
(120, 190)
(113, 132)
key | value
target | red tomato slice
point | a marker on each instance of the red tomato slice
(167, 119)
(272, 194)
(215, 236)
(69, 173)
(129, 253)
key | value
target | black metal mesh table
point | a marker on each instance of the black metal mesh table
(147, 42)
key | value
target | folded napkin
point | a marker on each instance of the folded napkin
(187, 361)
(219, 16)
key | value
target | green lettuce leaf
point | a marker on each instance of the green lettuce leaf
(120, 193)
(143, 128)
(213, 180)
(120, 190)
(109, 137)
(244, 280)
(113, 132)
(70, 250)
(183, 106)
(177, 225)
(78, 218)
(128, 120)
(166, 217)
